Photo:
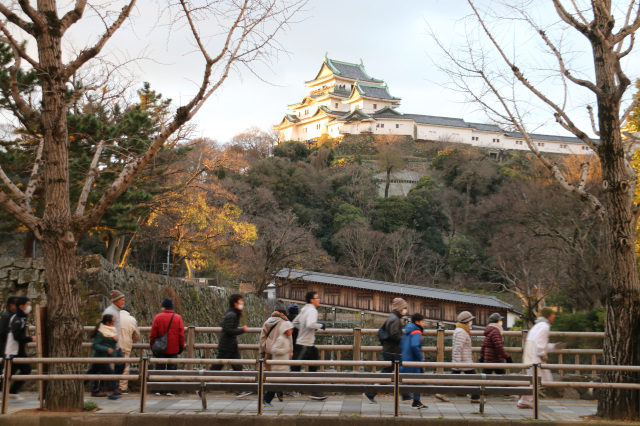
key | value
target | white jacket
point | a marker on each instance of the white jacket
(461, 351)
(307, 323)
(129, 331)
(537, 344)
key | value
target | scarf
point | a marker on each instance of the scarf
(498, 326)
(279, 314)
(107, 331)
(464, 327)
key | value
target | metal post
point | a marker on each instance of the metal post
(440, 346)
(260, 384)
(7, 363)
(357, 345)
(396, 388)
(191, 336)
(144, 367)
(536, 389)
(561, 372)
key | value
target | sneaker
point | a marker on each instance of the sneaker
(371, 399)
(16, 397)
(442, 397)
(123, 392)
(527, 406)
(170, 394)
(279, 396)
(267, 404)
(317, 396)
(158, 393)
(243, 394)
(116, 392)
(295, 394)
(417, 405)
(114, 397)
(98, 394)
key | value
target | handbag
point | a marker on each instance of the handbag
(161, 343)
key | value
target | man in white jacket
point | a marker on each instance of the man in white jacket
(307, 323)
(537, 348)
(129, 333)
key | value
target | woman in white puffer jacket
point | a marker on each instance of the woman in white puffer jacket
(462, 346)
(281, 349)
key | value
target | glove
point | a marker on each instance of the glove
(560, 346)
(324, 326)
(509, 360)
(481, 359)
(544, 358)
(181, 350)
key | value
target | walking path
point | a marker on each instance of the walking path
(334, 406)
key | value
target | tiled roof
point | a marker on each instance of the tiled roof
(438, 121)
(373, 91)
(538, 137)
(486, 127)
(356, 114)
(349, 70)
(332, 111)
(394, 288)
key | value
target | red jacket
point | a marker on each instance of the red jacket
(175, 340)
(492, 348)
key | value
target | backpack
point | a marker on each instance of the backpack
(383, 333)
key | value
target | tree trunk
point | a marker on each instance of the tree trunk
(623, 300)
(119, 247)
(27, 248)
(111, 247)
(190, 270)
(388, 183)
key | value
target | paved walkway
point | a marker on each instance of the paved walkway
(346, 406)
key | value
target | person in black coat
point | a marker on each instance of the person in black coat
(17, 341)
(4, 324)
(228, 342)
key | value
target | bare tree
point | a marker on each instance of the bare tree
(401, 258)
(507, 85)
(390, 156)
(360, 248)
(244, 32)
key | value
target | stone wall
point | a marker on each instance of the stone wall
(144, 292)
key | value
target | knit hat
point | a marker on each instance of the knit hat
(294, 309)
(546, 312)
(167, 303)
(116, 295)
(465, 316)
(398, 304)
(495, 317)
(126, 308)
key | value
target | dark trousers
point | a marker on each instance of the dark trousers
(24, 369)
(467, 372)
(102, 369)
(228, 355)
(166, 366)
(387, 356)
(494, 371)
(119, 368)
(306, 353)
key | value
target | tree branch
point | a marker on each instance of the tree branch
(15, 19)
(72, 16)
(593, 120)
(17, 48)
(91, 177)
(21, 214)
(34, 179)
(91, 52)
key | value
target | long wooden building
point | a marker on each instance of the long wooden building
(371, 296)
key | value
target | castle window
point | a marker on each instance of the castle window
(397, 126)
(336, 105)
(375, 106)
(306, 112)
(540, 143)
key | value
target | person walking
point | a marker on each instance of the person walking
(17, 339)
(462, 346)
(537, 348)
(281, 349)
(228, 342)
(292, 312)
(117, 302)
(104, 346)
(129, 333)
(411, 347)
(269, 334)
(492, 350)
(169, 323)
(4, 324)
(307, 325)
(391, 345)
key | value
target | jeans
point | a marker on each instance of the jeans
(494, 371)
(24, 369)
(102, 369)
(166, 366)
(306, 353)
(387, 356)
(467, 372)
(119, 368)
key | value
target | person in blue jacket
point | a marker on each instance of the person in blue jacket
(411, 346)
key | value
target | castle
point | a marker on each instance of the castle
(345, 100)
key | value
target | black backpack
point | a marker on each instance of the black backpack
(383, 333)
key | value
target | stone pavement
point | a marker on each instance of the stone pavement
(335, 406)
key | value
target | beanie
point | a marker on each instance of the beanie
(546, 312)
(116, 295)
(294, 309)
(167, 303)
(398, 304)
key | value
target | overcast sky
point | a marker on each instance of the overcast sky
(390, 37)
